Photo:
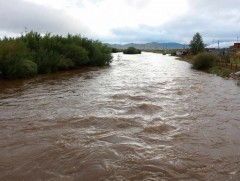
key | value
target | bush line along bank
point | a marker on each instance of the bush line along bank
(204, 60)
(33, 54)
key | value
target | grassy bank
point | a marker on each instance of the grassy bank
(218, 67)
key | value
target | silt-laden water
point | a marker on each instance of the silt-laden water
(146, 117)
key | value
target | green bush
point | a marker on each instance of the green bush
(115, 50)
(65, 64)
(100, 55)
(132, 50)
(204, 61)
(11, 52)
(47, 61)
(49, 53)
(21, 69)
(220, 71)
(77, 54)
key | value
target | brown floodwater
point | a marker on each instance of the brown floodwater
(146, 117)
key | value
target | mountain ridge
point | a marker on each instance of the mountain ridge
(150, 46)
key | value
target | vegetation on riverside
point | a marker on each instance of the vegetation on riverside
(201, 59)
(220, 71)
(115, 50)
(33, 54)
(219, 67)
(132, 50)
(204, 61)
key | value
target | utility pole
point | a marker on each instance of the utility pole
(218, 44)
(26, 30)
(237, 39)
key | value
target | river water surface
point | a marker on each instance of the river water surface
(146, 117)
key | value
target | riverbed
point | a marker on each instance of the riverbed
(145, 117)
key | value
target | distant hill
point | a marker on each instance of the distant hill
(152, 46)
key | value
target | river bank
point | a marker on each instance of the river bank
(217, 69)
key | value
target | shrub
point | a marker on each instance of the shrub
(100, 55)
(49, 53)
(21, 69)
(132, 50)
(204, 61)
(77, 54)
(115, 50)
(11, 52)
(65, 64)
(47, 61)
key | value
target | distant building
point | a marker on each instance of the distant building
(218, 52)
(220, 45)
(236, 46)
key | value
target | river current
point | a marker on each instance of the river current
(146, 117)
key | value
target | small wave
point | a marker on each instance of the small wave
(119, 96)
(159, 128)
(180, 136)
(146, 108)
(103, 122)
(130, 97)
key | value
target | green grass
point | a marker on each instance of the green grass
(220, 71)
(188, 58)
(215, 69)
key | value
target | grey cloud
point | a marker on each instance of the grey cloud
(218, 10)
(15, 15)
(214, 19)
(140, 34)
(217, 20)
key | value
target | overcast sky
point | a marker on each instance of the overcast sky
(124, 21)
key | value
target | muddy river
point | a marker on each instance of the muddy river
(146, 117)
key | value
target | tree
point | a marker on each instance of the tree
(196, 44)
(21, 69)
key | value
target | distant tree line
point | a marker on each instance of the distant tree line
(33, 54)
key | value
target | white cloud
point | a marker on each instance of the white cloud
(125, 20)
(106, 15)
(55, 4)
